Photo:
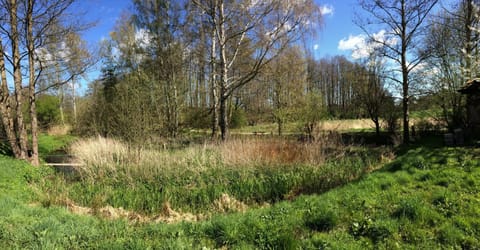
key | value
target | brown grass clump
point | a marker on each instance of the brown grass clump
(108, 158)
(59, 130)
(168, 215)
(268, 151)
(337, 125)
(171, 216)
(226, 204)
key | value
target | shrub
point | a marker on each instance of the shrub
(238, 119)
(198, 118)
(48, 112)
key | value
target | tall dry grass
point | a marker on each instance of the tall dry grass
(110, 158)
(252, 170)
(274, 151)
(106, 157)
(59, 130)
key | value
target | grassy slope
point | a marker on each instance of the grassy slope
(428, 198)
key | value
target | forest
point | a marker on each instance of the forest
(212, 124)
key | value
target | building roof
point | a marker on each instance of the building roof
(472, 86)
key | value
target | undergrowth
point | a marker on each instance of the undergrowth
(192, 179)
(427, 198)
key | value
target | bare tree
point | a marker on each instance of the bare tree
(403, 24)
(26, 28)
(263, 27)
(370, 88)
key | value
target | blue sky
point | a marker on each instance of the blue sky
(105, 13)
(338, 25)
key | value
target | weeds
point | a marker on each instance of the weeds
(250, 171)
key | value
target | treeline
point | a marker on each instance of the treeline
(170, 66)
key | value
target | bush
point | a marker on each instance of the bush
(48, 111)
(198, 118)
(425, 126)
(238, 119)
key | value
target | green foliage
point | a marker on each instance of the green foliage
(198, 118)
(5, 148)
(391, 115)
(377, 231)
(49, 144)
(312, 113)
(238, 118)
(48, 111)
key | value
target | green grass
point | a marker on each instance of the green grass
(428, 198)
(48, 144)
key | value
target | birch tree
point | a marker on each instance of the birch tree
(265, 27)
(26, 27)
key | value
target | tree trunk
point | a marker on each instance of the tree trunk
(377, 127)
(34, 157)
(213, 73)
(405, 82)
(62, 98)
(17, 79)
(5, 106)
(74, 103)
(223, 74)
(223, 119)
(406, 132)
(175, 108)
(31, 86)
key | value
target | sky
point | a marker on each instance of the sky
(338, 26)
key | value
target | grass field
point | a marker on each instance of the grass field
(294, 128)
(426, 198)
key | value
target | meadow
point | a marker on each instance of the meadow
(270, 194)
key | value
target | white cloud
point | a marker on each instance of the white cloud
(353, 42)
(315, 46)
(327, 10)
(361, 47)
